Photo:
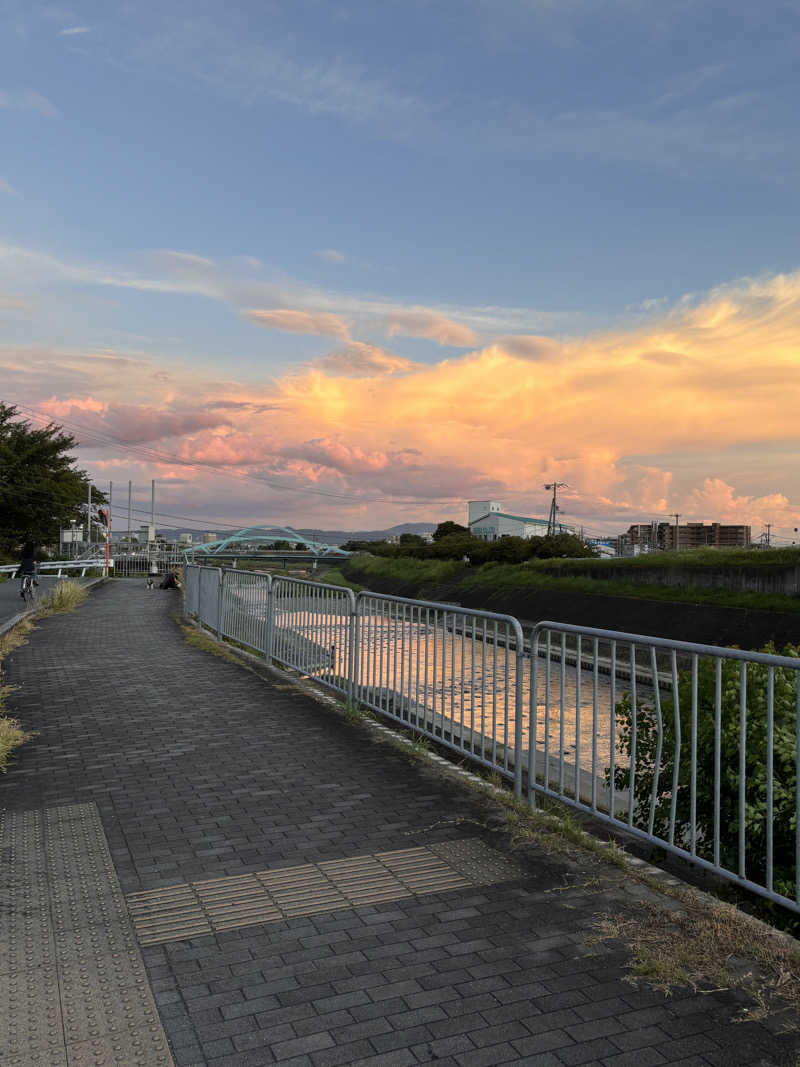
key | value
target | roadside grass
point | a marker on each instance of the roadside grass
(66, 597)
(334, 576)
(538, 575)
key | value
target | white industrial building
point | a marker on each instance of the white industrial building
(486, 519)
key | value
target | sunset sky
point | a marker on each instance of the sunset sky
(349, 264)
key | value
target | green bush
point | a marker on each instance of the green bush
(784, 775)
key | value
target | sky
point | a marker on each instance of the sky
(351, 264)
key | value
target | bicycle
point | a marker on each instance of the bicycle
(28, 589)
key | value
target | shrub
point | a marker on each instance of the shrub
(784, 776)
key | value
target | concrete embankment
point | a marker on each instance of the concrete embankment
(705, 623)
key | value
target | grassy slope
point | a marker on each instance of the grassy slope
(510, 577)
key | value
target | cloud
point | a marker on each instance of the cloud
(689, 411)
(5, 187)
(419, 322)
(129, 423)
(529, 346)
(331, 255)
(293, 321)
(185, 259)
(27, 100)
(74, 31)
(362, 360)
(13, 303)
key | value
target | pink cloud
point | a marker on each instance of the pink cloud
(293, 321)
(130, 424)
(529, 346)
(431, 325)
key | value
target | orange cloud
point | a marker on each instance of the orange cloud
(418, 322)
(639, 422)
(314, 322)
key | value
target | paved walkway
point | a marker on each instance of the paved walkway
(12, 604)
(298, 892)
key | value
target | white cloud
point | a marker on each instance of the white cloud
(296, 321)
(6, 187)
(331, 255)
(28, 100)
(74, 31)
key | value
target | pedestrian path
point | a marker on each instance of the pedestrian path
(214, 868)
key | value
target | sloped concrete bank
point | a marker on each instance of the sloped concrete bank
(705, 623)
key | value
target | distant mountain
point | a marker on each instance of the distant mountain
(328, 537)
(338, 537)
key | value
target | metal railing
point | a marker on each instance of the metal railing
(60, 567)
(693, 748)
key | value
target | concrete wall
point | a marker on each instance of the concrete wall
(706, 624)
(777, 578)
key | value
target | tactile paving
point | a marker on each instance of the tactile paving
(181, 912)
(73, 988)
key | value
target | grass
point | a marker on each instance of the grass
(520, 577)
(66, 597)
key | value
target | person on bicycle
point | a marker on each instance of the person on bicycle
(27, 566)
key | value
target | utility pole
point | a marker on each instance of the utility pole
(552, 522)
(677, 516)
(153, 507)
(129, 516)
(89, 516)
(769, 527)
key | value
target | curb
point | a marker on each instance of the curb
(17, 619)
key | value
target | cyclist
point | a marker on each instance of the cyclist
(27, 566)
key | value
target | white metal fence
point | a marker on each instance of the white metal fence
(693, 748)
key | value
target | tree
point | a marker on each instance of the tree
(41, 489)
(447, 529)
(650, 773)
(411, 539)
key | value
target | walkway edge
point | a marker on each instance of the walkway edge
(17, 619)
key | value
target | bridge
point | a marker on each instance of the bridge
(210, 863)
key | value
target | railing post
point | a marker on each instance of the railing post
(271, 601)
(533, 720)
(220, 601)
(518, 675)
(354, 656)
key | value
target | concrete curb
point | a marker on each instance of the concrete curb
(642, 871)
(17, 619)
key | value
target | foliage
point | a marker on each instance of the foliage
(447, 529)
(785, 704)
(40, 487)
(411, 539)
(531, 576)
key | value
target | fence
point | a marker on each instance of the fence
(57, 568)
(693, 748)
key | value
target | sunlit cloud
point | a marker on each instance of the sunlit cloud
(419, 322)
(361, 360)
(639, 422)
(74, 31)
(293, 321)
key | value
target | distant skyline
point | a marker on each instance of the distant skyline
(348, 265)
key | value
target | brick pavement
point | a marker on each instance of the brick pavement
(202, 770)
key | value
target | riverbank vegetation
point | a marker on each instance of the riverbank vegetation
(420, 577)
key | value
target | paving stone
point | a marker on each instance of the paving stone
(188, 795)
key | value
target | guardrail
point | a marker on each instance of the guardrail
(60, 566)
(693, 748)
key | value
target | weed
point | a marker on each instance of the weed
(700, 946)
(66, 597)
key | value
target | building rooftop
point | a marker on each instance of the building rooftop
(504, 515)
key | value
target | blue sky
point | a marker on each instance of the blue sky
(516, 167)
